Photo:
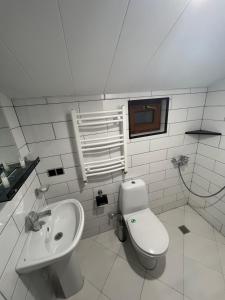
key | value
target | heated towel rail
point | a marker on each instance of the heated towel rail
(86, 120)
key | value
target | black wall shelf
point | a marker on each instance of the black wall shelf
(16, 179)
(205, 132)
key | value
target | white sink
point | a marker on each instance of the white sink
(53, 245)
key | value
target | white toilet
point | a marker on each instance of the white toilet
(148, 235)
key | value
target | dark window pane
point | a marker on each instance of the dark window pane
(144, 117)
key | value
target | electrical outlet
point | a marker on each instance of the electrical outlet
(55, 172)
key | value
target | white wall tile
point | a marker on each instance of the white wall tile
(166, 142)
(157, 176)
(8, 239)
(38, 114)
(29, 101)
(210, 140)
(91, 106)
(215, 98)
(214, 113)
(188, 100)
(218, 126)
(6, 138)
(9, 277)
(50, 148)
(19, 137)
(144, 158)
(11, 117)
(5, 101)
(57, 190)
(205, 161)
(177, 115)
(138, 147)
(63, 129)
(51, 100)
(219, 168)
(180, 128)
(211, 152)
(199, 90)
(195, 113)
(47, 163)
(38, 133)
(69, 160)
(170, 92)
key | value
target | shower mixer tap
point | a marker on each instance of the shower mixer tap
(182, 160)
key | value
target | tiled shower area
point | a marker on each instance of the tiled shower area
(194, 267)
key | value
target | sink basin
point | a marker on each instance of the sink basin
(54, 244)
(58, 237)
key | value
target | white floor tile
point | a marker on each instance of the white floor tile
(222, 256)
(154, 289)
(203, 250)
(193, 264)
(103, 297)
(123, 282)
(88, 292)
(219, 237)
(96, 262)
(173, 217)
(170, 270)
(201, 283)
(197, 224)
(109, 240)
(174, 233)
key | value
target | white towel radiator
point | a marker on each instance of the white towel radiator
(93, 145)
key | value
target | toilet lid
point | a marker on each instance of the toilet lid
(148, 233)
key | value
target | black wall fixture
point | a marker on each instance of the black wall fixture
(16, 180)
(204, 132)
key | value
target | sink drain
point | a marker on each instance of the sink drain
(58, 236)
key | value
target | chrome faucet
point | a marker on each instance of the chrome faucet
(32, 220)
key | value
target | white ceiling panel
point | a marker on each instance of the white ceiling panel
(92, 29)
(33, 31)
(146, 25)
(193, 54)
(13, 79)
(86, 47)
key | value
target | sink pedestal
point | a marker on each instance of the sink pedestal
(67, 274)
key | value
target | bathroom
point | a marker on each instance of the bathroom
(112, 150)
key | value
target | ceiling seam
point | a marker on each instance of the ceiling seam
(16, 59)
(66, 44)
(166, 36)
(115, 50)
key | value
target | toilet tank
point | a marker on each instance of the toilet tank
(133, 196)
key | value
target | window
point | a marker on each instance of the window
(147, 117)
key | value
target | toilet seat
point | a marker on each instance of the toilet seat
(147, 232)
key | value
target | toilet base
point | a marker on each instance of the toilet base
(147, 262)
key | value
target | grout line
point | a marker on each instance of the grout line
(66, 43)
(116, 47)
(164, 39)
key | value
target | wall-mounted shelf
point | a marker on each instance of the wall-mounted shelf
(16, 179)
(205, 132)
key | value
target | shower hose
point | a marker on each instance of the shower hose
(202, 196)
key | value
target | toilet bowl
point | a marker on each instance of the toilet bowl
(148, 235)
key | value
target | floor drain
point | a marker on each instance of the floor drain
(58, 236)
(184, 229)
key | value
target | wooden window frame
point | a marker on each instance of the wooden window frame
(140, 130)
